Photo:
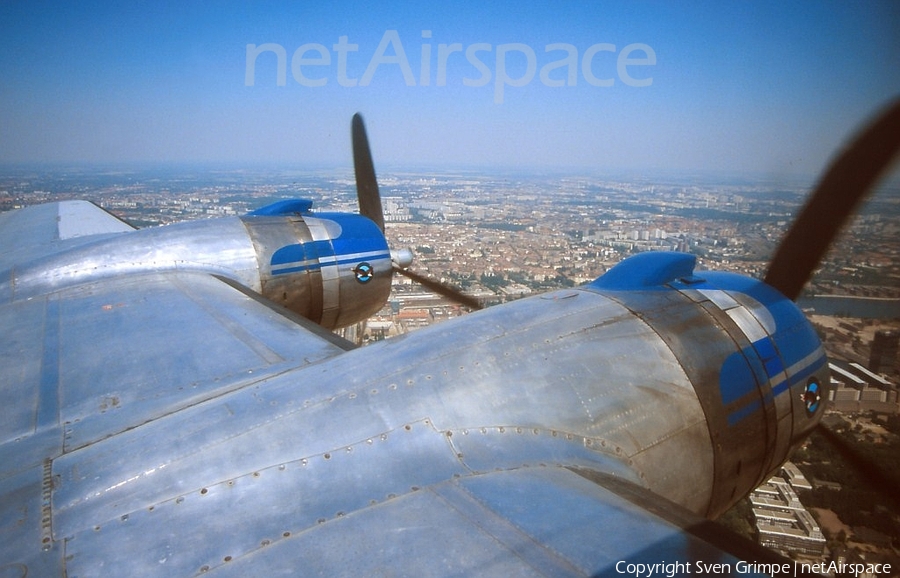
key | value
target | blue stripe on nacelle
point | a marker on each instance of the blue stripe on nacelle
(302, 252)
(793, 338)
(769, 357)
(315, 266)
(358, 240)
(788, 357)
(358, 234)
(288, 254)
(736, 379)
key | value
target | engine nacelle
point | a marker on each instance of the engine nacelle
(757, 366)
(332, 268)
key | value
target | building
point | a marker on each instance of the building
(782, 522)
(884, 355)
(855, 388)
(789, 532)
(795, 477)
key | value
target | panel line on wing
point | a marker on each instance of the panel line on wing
(48, 400)
(546, 561)
(233, 327)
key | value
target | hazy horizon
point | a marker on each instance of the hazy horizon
(758, 88)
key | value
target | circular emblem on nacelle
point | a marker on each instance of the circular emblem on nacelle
(364, 272)
(812, 396)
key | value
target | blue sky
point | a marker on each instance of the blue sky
(739, 87)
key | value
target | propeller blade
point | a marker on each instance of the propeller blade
(366, 184)
(845, 183)
(447, 291)
(370, 206)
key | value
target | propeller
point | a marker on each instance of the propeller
(847, 181)
(370, 206)
(441, 289)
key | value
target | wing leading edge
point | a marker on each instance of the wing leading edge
(40, 230)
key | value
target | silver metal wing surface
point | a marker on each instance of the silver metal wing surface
(40, 230)
(92, 360)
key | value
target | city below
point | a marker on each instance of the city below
(504, 235)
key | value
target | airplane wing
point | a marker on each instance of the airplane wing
(92, 361)
(39, 230)
(530, 521)
(168, 423)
